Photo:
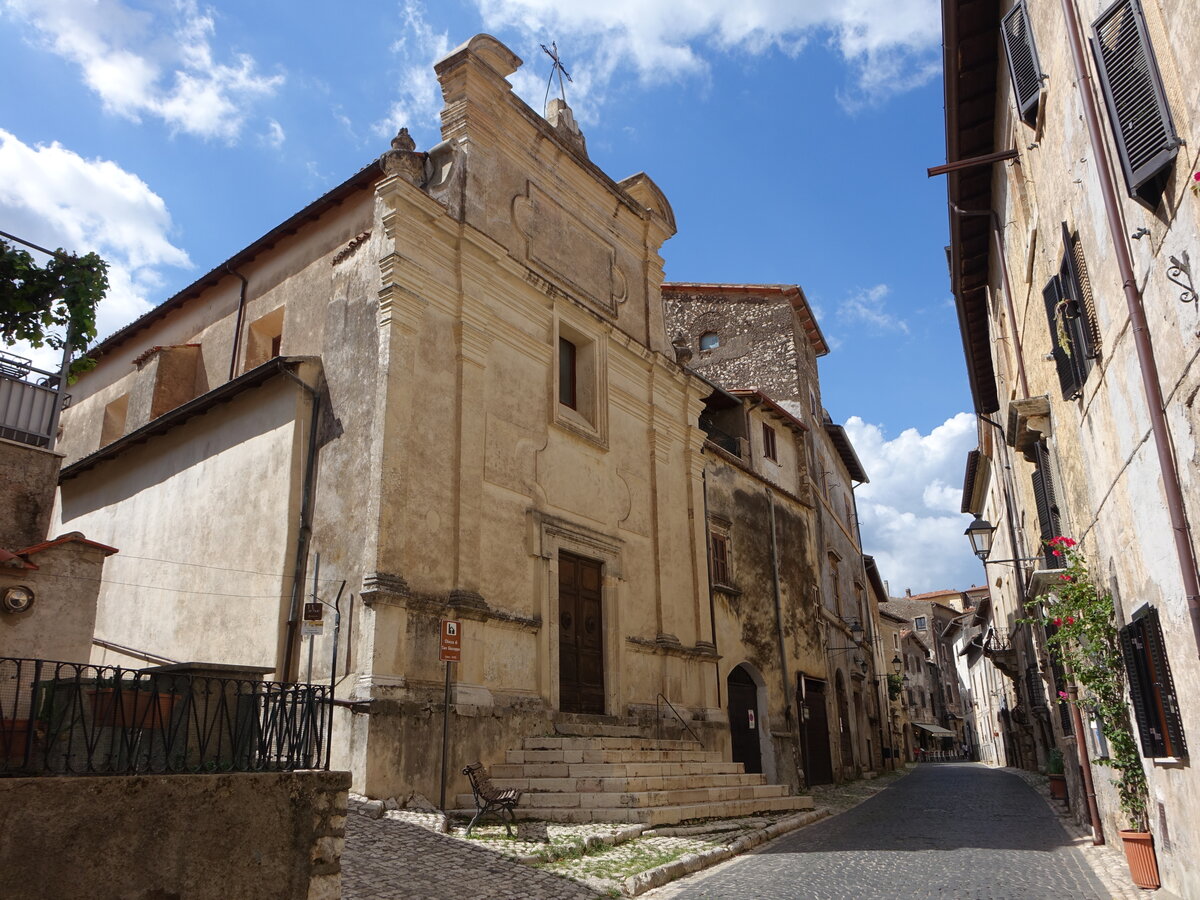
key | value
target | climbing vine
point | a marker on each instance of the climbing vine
(1081, 622)
(52, 304)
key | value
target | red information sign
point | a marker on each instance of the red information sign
(451, 645)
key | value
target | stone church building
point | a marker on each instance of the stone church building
(450, 378)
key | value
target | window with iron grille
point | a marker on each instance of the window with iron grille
(1023, 66)
(720, 559)
(1073, 336)
(1151, 688)
(1049, 520)
(1137, 103)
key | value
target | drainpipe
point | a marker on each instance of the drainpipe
(237, 325)
(712, 608)
(998, 234)
(304, 534)
(1141, 333)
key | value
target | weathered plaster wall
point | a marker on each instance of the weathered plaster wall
(205, 516)
(28, 474)
(277, 836)
(60, 623)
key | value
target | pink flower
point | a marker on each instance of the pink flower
(1057, 552)
(1064, 577)
(1196, 176)
(1058, 621)
(1062, 695)
(1070, 620)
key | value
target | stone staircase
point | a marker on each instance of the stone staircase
(616, 777)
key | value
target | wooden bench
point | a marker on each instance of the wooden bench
(489, 798)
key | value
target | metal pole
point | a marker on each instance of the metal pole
(1085, 764)
(445, 737)
(312, 637)
(337, 627)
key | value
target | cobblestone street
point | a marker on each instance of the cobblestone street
(947, 831)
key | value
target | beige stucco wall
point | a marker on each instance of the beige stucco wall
(253, 836)
(205, 516)
(28, 474)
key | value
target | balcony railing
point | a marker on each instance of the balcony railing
(61, 718)
(722, 439)
(28, 397)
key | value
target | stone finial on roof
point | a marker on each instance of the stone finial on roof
(403, 160)
(683, 353)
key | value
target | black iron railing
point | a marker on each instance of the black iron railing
(722, 439)
(61, 718)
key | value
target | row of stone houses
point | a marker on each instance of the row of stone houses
(1071, 165)
(458, 380)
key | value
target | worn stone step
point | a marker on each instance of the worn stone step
(606, 743)
(659, 815)
(646, 799)
(625, 784)
(614, 770)
(603, 755)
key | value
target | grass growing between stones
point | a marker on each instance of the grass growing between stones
(606, 868)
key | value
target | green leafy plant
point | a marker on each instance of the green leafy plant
(1054, 762)
(1081, 622)
(52, 304)
(895, 685)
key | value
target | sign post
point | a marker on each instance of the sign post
(449, 651)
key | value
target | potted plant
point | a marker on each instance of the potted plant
(1086, 640)
(137, 703)
(1054, 771)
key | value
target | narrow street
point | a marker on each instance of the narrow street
(959, 831)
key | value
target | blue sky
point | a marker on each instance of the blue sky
(791, 139)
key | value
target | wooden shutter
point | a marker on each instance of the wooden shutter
(1062, 347)
(1047, 503)
(1140, 690)
(1164, 685)
(1133, 91)
(1023, 65)
(1079, 323)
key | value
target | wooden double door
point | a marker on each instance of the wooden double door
(580, 635)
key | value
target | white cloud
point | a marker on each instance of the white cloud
(275, 135)
(910, 514)
(420, 101)
(158, 63)
(890, 45)
(55, 198)
(867, 307)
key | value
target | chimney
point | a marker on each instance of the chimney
(908, 592)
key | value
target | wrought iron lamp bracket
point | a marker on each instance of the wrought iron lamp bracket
(1180, 273)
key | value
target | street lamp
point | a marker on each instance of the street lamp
(980, 533)
(897, 664)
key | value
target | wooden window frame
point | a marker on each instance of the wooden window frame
(770, 446)
(719, 554)
(568, 373)
(1073, 338)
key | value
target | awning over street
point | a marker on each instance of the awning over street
(936, 730)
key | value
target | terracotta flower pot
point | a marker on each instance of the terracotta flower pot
(131, 708)
(1058, 786)
(1139, 853)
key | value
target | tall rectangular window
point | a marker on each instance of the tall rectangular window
(769, 449)
(1044, 497)
(1137, 102)
(720, 559)
(568, 374)
(1151, 688)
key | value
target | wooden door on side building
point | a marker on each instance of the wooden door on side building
(818, 763)
(744, 719)
(580, 635)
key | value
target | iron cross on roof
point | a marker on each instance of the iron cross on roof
(559, 69)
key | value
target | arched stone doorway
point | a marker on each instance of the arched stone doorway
(745, 719)
(844, 734)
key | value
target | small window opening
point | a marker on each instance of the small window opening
(769, 449)
(115, 415)
(710, 340)
(568, 374)
(265, 340)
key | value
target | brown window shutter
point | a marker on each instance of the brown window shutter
(1133, 91)
(1062, 346)
(1023, 66)
(1164, 684)
(1141, 689)
(1047, 503)
(1071, 278)
(1085, 298)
